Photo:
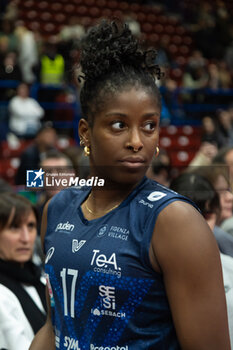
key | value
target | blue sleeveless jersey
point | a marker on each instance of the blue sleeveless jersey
(104, 293)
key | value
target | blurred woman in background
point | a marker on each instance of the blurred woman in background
(22, 291)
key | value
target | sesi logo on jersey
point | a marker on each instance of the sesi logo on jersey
(108, 297)
(107, 303)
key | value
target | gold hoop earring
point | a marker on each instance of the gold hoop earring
(81, 142)
(157, 151)
(87, 151)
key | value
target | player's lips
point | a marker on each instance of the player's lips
(133, 162)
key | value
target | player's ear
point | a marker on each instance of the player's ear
(83, 131)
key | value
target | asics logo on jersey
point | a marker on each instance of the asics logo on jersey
(156, 196)
(64, 227)
(76, 245)
(49, 254)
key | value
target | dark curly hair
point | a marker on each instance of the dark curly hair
(112, 61)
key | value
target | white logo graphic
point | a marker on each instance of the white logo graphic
(116, 347)
(102, 231)
(105, 265)
(64, 226)
(35, 178)
(49, 254)
(71, 343)
(108, 303)
(96, 312)
(76, 245)
(156, 196)
(108, 297)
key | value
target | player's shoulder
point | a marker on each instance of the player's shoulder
(155, 192)
(153, 197)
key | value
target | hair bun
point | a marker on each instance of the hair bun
(111, 45)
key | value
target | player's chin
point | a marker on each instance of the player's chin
(130, 176)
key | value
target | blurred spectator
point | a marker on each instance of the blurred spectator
(5, 186)
(227, 226)
(211, 24)
(205, 154)
(7, 33)
(131, 19)
(22, 288)
(75, 154)
(3, 6)
(69, 44)
(4, 49)
(225, 75)
(160, 168)
(225, 127)
(24, 113)
(219, 77)
(230, 111)
(214, 76)
(51, 73)
(51, 68)
(163, 59)
(204, 38)
(204, 30)
(9, 68)
(223, 22)
(206, 13)
(54, 162)
(229, 56)
(196, 60)
(219, 178)
(225, 158)
(195, 77)
(45, 140)
(28, 53)
(11, 10)
(73, 31)
(210, 132)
